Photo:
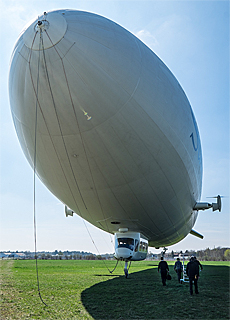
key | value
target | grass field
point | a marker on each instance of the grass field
(86, 290)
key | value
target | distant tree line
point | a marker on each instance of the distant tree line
(77, 256)
(216, 254)
(62, 256)
(66, 255)
(55, 255)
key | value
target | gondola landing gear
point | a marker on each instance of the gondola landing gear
(126, 269)
(163, 252)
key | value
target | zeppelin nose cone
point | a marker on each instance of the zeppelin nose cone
(52, 26)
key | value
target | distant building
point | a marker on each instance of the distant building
(16, 255)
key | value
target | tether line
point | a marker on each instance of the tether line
(64, 143)
(34, 175)
(35, 149)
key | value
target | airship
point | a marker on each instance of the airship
(108, 129)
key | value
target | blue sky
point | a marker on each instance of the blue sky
(192, 38)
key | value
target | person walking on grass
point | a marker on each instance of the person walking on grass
(178, 268)
(192, 271)
(198, 262)
(164, 269)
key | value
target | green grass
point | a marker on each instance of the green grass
(86, 290)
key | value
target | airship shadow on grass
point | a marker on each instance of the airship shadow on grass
(142, 296)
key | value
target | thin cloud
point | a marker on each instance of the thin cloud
(161, 34)
(147, 38)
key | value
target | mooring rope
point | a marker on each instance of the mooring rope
(65, 146)
(41, 48)
(34, 172)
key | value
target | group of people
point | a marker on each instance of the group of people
(192, 271)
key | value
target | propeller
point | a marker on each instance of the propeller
(216, 197)
(206, 205)
(217, 205)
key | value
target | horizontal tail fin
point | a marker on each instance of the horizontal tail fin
(196, 234)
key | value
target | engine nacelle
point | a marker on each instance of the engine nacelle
(68, 212)
(206, 205)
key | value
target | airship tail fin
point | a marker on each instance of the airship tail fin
(196, 234)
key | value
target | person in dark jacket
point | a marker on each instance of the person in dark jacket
(164, 269)
(199, 264)
(178, 268)
(192, 271)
